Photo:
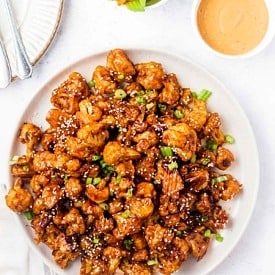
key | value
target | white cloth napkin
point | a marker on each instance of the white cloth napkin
(15, 256)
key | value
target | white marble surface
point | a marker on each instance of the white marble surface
(90, 26)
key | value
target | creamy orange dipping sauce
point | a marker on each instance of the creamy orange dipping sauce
(232, 26)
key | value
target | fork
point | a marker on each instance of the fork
(23, 65)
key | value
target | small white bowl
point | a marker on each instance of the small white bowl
(270, 33)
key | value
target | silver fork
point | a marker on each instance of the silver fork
(23, 65)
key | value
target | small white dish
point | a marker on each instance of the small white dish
(269, 35)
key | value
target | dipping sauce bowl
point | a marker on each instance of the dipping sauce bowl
(234, 28)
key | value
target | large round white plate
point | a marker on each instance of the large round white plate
(245, 168)
(37, 22)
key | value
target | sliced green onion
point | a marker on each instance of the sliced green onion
(95, 240)
(120, 94)
(193, 159)
(166, 151)
(128, 244)
(178, 114)
(229, 139)
(211, 145)
(91, 83)
(125, 261)
(126, 214)
(153, 261)
(204, 218)
(26, 168)
(89, 180)
(66, 177)
(173, 165)
(129, 193)
(118, 179)
(205, 161)
(120, 76)
(178, 233)
(140, 99)
(204, 95)
(194, 94)
(29, 215)
(104, 206)
(151, 2)
(219, 237)
(122, 130)
(96, 157)
(219, 179)
(162, 107)
(150, 105)
(96, 180)
(156, 181)
(207, 233)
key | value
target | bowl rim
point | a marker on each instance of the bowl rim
(268, 37)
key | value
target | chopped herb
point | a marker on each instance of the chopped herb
(219, 237)
(153, 261)
(120, 94)
(91, 83)
(66, 177)
(125, 261)
(26, 168)
(118, 179)
(104, 206)
(204, 218)
(126, 214)
(193, 159)
(178, 114)
(156, 181)
(194, 94)
(89, 180)
(173, 165)
(96, 157)
(178, 233)
(129, 193)
(128, 244)
(96, 240)
(219, 179)
(122, 130)
(166, 151)
(229, 139)
(140, 99)
(204, 95)
(150, 105)
(29, 215)
(211, 145)
(205, 161)
(162, 107)
(207, 233)
(120, 76)
(96, 180)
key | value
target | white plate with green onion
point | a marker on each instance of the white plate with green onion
(245, 168)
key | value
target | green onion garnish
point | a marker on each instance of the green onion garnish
(204, 95)
(120, 94)
(29, 215)
(126, 214)
(128, 244)
(140, 100)
(156, 181)
(118, 179)
(173, 165)
(120, 76)
(95, 240)
(150, 105)
(26, 168)
(211, 145)
(66, 177)
(96, 180)
(193, 159)
(96, 157)
(219, 237)
(207, 233)
(178, 114)
(162, 107)
(166, 151)
(219, 179)
(104, 206)
(153, 261)
(229, 139)
(89, 180)
(91, 83)
(205, 161)
(129, 193)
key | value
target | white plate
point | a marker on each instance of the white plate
(37, 21)
(245, 168)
